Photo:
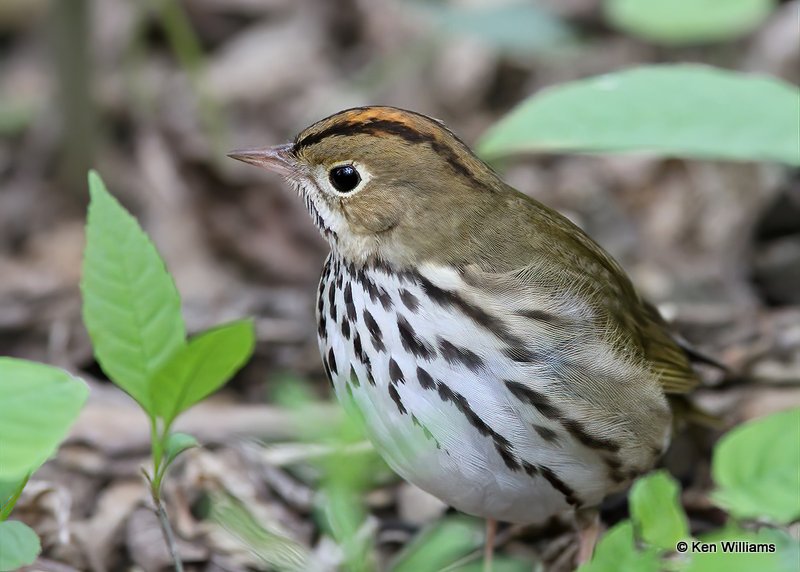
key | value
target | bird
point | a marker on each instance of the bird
(500, 358)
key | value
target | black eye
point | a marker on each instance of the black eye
(344, 178)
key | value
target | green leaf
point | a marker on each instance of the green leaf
(784, 559)
(200, 367)
(19, 545)
(344, 515)
(673, 110)
(10, 491)
(617, 552)
(440, 545)
(517, 27)
(262, 539)
(131, 307)
(687, 21)
(176, 444)
(38, 403)
(755, 467)
(8, 488)
(657, 512)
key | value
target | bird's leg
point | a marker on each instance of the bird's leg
(588, 521)
(488, 548)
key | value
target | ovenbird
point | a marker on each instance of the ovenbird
(501, 359)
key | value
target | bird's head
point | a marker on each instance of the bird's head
(383, 182)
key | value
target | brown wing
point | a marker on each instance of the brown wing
(549, 258)
(663, 351)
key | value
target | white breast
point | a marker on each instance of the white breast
(429, 382)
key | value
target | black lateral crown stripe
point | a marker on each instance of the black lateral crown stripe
(368, 126)
(376, 125)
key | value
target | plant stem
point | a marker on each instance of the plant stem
(169, 535)
(157, 441)
(157, 451)
(9, 506)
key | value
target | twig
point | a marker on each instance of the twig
(169, 535)
(163, 519)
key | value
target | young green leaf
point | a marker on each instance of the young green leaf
(687, 21)
(38, 403)
(617, 552)
(131, 307)
(176, 444)
(19, 545)
(440, 545)
(674, 110)
(200, 367)
(755, 467)
(657, 512)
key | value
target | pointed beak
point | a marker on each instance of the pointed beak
(278, 159)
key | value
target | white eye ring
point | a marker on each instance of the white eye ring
(344, 179)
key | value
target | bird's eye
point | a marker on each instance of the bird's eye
(344, 178)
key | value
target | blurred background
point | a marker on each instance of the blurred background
(154, 93)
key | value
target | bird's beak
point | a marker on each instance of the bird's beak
(278, 159)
